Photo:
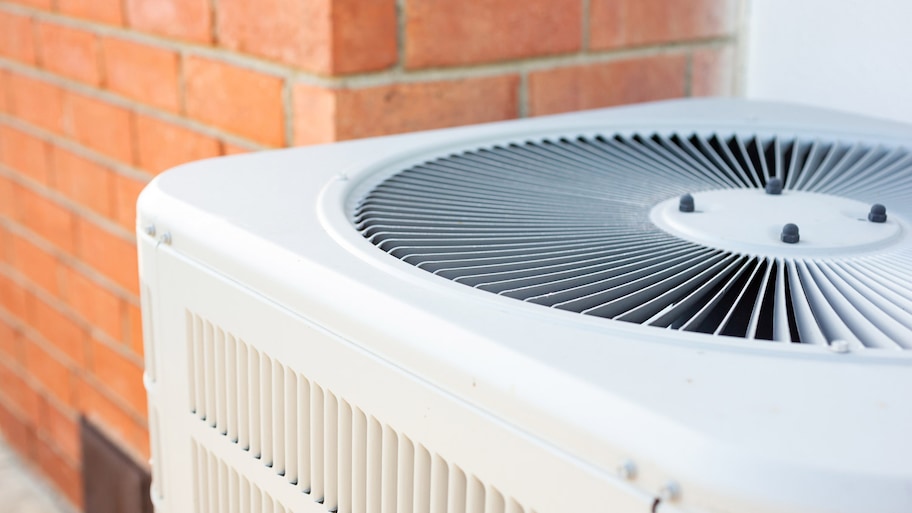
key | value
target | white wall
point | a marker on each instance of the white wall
(851, 55)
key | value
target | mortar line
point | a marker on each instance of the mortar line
(37, 43)
(400, 7)
(688, 75)
(288, 112)
(740, 50)
(182, 83)
(523, 95)
(584, 27)
(213, 22)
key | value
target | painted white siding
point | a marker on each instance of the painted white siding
(843, 54)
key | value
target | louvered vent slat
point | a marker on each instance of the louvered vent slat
(316, 442)
(567, 223)
(218, 488)
(265, 407)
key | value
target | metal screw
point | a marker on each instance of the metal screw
(790, 233)
(878, 213)
(627, 470)
(670, 492)
(165, 238)
(149, 230)
(839, 346)
(686, 204)
(774, 186)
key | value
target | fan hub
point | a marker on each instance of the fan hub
(750, 221)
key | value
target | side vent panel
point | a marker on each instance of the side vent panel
(312, 439)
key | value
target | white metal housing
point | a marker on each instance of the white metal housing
(289, 361)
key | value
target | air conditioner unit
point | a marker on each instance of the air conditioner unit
(600, 311)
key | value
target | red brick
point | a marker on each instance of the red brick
(19, 435)
(315, 113)
(17, 37)
(234, 149)
(35, 101)
(420, 106)
(274, 29)
(4, 90)
(110, 254)
(6, 255)
(70, 52)
(144, 73)
(25, 153)
(623, 23)
(105, 11)
(83, 181)
(135, 329)
(100, 126)
(65, 475)
(712, 72)
(141, 446)
(46, 218)
(126, 192)
(341, 36)
(7, 207)
(453, 33)
(4, 244)
(60, 428)
(38, 265)
(17, 392)
(239, 100)
(59, 330)
(162, 145)
(10, 343)
(55, 376)
(12, 298)
(96, 304)
(120, 373)
(183, 19)
(363, 35)
(603, 85)
(102, 410)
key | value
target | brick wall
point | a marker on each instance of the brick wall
(97, 96)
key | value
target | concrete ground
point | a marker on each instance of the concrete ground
(22, 491)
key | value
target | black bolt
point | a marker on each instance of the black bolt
(686, 204)
(789, 233)
(774, 186)
(878, 213)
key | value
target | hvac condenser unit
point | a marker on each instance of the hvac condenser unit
(699, 306)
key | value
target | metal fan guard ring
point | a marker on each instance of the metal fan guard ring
(569, 224)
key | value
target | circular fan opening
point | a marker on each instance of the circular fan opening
(597, 226)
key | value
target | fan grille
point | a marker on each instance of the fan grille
(565, 223)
